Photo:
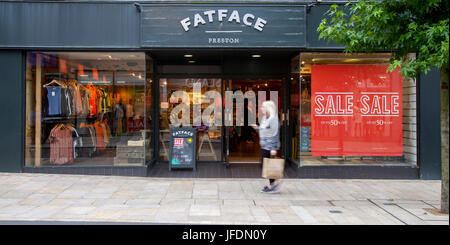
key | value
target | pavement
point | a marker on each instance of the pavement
(79, 199)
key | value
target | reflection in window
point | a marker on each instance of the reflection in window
(85, 108)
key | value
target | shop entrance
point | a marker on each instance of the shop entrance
(243, 141)
(202, 75)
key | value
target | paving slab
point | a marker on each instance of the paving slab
(79, 198)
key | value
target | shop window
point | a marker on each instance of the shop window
(352, 111)
(86, 108)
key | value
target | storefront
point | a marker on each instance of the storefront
(102, 83)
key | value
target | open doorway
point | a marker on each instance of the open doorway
(243, 141)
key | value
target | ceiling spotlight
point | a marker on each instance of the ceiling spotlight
(256, 56)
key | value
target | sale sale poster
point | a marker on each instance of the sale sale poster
(356, 110)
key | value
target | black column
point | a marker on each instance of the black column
(12, 117)
(429, 137)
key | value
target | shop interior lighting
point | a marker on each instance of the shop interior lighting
(256, 56)
(191, 61)
(351, 60)
(188, 55)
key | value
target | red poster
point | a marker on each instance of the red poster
(62, 65)
(356, 111)
(94, 73)
(80, 70)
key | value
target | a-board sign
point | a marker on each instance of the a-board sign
(182, 150)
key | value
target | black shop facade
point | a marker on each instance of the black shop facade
(102, 85)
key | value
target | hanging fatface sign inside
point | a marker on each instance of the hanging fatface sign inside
(356, 111)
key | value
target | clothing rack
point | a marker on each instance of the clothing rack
(58, 75)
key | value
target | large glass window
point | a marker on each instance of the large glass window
(86, 108)
(352, 111)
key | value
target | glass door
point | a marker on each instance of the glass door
(198, 94)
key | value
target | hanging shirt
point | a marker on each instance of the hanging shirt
(93, 100)
(104, 101)
(78, 100)
(61, 146)
(129, 110)
(53, 101)
(100, 136)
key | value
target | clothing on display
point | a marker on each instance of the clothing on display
(66, 98)
(68, 143)
(62, 144)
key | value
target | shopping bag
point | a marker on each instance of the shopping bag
(273, 168)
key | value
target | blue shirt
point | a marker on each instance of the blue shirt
(53, 101)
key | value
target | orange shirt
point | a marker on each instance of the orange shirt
(100, 136)
(92, 100)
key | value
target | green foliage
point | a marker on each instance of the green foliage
(400, 27)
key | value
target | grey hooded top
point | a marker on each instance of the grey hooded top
(269, 133)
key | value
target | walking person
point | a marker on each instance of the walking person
(269, 138)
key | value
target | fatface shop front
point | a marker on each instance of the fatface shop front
(109, 109)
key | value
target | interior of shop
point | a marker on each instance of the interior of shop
(244, 140)
(85, 109)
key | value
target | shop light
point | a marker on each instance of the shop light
(191, 61)
(351, 60)
(188, 55)
(256, 56)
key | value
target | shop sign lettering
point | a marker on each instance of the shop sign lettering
(222, 15)
(371, 104)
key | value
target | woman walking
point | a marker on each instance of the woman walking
(269, 138)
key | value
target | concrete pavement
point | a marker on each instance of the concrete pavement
(79, 198)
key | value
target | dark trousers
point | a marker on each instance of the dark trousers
(266, 154)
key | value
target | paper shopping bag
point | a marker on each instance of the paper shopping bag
(273, 168)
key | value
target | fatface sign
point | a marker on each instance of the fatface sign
(222, 26)
(247, 19)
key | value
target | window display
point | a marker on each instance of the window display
(85, 108)
(355, 112)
